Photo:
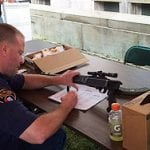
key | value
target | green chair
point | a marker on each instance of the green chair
(138, 55)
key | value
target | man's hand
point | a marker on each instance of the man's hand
(69, 100)
(67, 78)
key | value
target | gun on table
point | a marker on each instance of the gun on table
(100, 81)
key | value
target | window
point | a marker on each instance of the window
(146, 9)
(44, 2)
(111, 6)
(106, 6)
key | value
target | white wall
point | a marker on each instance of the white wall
(18, 15)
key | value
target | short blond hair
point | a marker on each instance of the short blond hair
(8, 32)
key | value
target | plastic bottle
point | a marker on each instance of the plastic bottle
(115, 122)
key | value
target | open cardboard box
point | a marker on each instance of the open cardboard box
(61, 57)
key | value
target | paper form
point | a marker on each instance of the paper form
(87, 97)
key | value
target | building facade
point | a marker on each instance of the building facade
(140, 7)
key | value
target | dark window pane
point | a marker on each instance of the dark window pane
(146, 9)
(111, 6)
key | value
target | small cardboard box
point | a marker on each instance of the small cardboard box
(136, 124)
(56, 59)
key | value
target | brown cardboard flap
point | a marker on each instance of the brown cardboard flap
(61, 61)
(134, 105)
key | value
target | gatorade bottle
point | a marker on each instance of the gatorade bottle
(115, 122)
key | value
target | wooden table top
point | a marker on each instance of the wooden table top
(94, 122)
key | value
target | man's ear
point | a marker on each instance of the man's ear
(3, 48)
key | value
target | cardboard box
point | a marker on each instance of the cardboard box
(136, 124)
(56, 59)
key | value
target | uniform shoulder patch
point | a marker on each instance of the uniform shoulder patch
(7, 96)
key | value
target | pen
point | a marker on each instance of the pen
(67, 88)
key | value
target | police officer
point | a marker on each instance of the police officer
(20, 129)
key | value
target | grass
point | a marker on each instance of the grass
(77, 142)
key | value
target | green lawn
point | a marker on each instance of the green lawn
(77, 142)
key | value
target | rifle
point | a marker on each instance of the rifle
(101, 81)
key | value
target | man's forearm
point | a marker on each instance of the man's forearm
(34, 81)
(45, 126)
(40, 81)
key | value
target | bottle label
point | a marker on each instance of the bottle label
(116, 129)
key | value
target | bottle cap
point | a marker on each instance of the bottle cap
(115, 106)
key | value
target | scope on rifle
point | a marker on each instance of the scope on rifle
(103, 74)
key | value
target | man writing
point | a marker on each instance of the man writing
(20, 129)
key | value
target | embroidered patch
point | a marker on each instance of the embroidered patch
(7, 95)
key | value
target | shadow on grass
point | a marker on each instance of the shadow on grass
(77, 142)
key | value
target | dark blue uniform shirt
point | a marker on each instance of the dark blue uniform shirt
(14, 116)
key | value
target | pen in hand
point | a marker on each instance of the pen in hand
(67, 88)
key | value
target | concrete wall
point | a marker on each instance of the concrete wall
(102, 33)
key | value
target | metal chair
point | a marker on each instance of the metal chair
(138, 55)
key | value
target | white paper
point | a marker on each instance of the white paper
(87, 97)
